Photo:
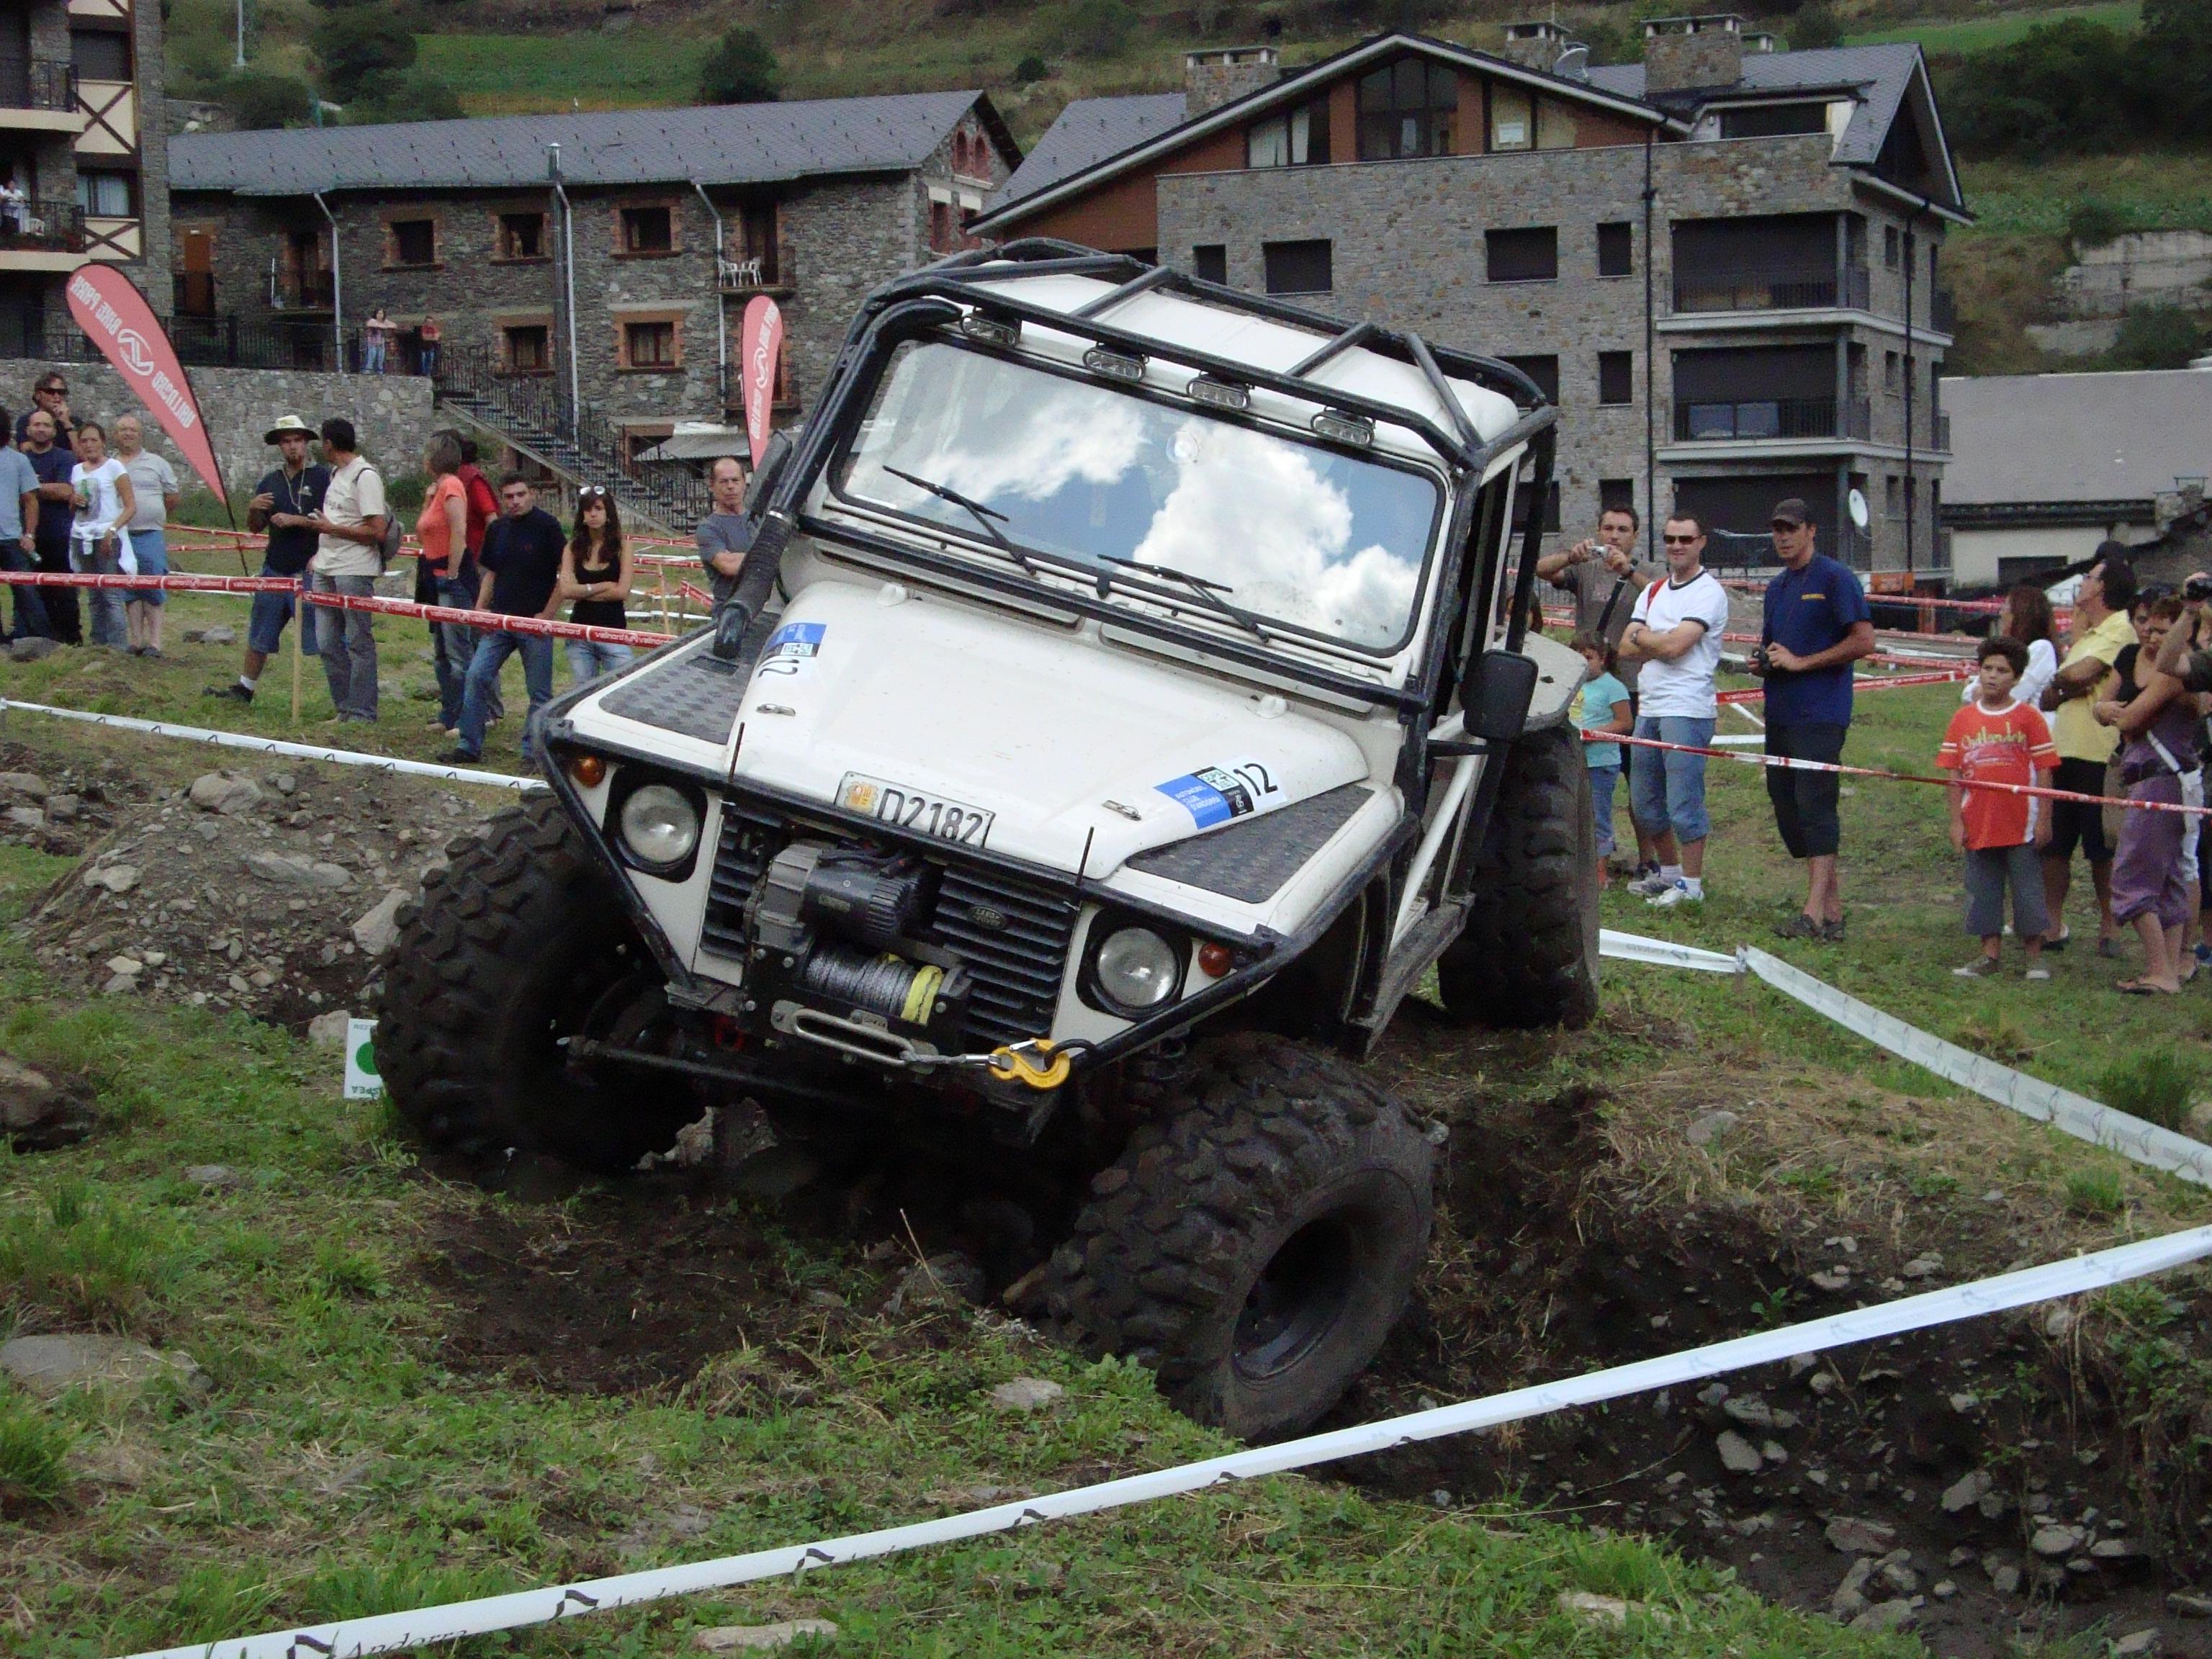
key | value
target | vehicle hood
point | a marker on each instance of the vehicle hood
(1039, 726)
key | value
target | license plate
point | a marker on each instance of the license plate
(910, 809)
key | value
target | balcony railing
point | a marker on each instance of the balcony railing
(42, 224)
(1788, 287)
(40, 84)
(201, 342)
(769, 270)
(1706, 421)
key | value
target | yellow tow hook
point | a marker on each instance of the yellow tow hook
(1020, 1064)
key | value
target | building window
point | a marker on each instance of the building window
(647, 230)
(529, 349)
(108, 195)
(1892, 372)
(522, 235)
(1299, 267)
(756, 231)
(1544, 370)
(414, 242)
(1523, 256)
(1615, 495)
(1774, 120)
(99, 56)
(1616, 250)
(649, 345)
(1552, 518)
(1891, 246)
(1512, 117)
(1407, 109)
(1297, 139)
(943, 237)
(1616, 377)
(1209, 262)
(1893, 495)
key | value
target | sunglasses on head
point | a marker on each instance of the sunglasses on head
(592, 493)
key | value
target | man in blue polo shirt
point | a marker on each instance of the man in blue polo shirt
(1817, 626)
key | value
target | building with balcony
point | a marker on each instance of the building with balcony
(612, 253)
(82, 155)
(1722, 262)
(2049, 465)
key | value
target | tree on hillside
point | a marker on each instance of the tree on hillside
(413, 97)
(743, 71)
(2176, 52)
(2068, 87)
(353, 42)
(1098, 28)
(1812, 27)
(257, 100)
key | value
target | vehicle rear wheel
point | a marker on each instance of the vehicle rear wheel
(1257, 1239)
(1528, 955)
(518, 942)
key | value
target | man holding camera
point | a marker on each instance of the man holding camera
(1817, 626)
(1605, 579)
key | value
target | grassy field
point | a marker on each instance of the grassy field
(1973, 34)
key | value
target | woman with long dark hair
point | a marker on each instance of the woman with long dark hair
(596, 572)
(2027, 617)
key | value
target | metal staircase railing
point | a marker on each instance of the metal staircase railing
(578, 442)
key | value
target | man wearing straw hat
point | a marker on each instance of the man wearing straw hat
(285, 504)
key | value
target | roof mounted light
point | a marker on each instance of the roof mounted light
(1221, 394)
(991, 330)
(1114, 365)
(1340, 427)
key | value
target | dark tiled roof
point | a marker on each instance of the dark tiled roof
(1091, 129)
(1880, 74)
(2018, 438)
(722, 144)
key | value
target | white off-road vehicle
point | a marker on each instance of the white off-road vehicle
(1122, 708)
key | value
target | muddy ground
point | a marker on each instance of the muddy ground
(1986, 1483)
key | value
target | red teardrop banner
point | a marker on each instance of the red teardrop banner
(760, 352)
(114, 315)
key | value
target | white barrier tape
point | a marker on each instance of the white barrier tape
(275, 746)
(1663, 953)
(383, 1632)
(2077, 1115)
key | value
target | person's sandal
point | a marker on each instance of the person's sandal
(1800, 926)
(1832, 932)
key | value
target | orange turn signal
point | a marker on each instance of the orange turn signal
(1214, 960)
(589, 771)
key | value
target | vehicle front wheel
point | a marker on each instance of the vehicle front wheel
(518, 942)
(1256, 1239)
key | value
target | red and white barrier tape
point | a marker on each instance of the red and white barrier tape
(172, 583)
(1876, 683)
(1790, 762)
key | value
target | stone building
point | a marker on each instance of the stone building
(1722, 262)
(83, 138)
(612, 253)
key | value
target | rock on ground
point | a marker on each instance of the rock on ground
(727, 1638)
(36, 1113)
(1853, 1536)
(1738, 1455)
(1025, 1394)
(47, 1364)
(228, 792)
(376, 931)
(329, 1031)
(1885, 1615)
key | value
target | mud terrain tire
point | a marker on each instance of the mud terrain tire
(1528, 955)
(1257, 1237)
(512, 944)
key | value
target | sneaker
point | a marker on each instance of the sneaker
(459, 758)
(232, 693)
(2039, 974)
(1651, 886)
(1980, 968)
(1676, 896)
(1832, 932)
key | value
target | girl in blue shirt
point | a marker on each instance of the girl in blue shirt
(1601, 705)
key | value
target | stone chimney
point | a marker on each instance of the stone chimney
(1537, 45)
(1684, 54)
(1222, 74)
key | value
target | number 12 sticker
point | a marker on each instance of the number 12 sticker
(1232, 789)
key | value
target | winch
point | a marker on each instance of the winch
(835, 929)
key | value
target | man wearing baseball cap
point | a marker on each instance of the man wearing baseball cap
(285, 504)
(1817, 626)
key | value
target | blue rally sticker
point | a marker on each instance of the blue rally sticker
(1215, 795)
(791, 646)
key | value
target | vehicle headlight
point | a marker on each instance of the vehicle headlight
(1137, 967)
(659, 827)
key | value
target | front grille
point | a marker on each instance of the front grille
(1012, 933)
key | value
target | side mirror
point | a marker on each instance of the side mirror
(1500, 686)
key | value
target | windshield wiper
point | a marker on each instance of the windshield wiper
(1205, 588)
(980, 513)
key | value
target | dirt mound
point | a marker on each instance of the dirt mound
(266, 888)
(60, 809)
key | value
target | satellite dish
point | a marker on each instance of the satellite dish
(1860, 515)
(1573, 63)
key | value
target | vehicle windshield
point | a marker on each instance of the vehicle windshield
(1291, 532)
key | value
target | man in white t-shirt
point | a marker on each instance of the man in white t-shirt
(1675, 633)
(350, 528)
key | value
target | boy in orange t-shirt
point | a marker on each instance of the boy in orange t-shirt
(1995, 740)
